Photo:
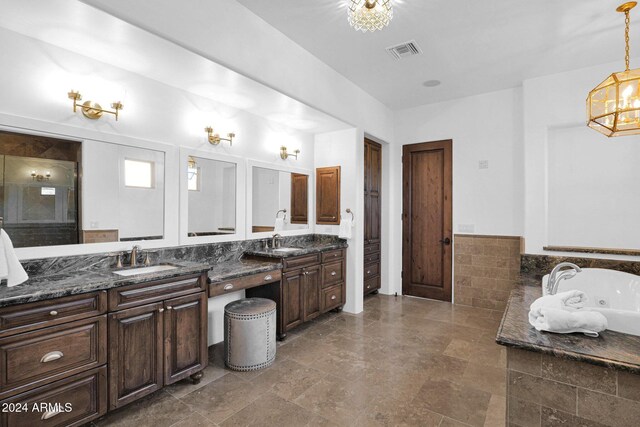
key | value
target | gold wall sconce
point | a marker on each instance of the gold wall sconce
(214, 138)
(284, 155)
(92, 110)
(39, 177)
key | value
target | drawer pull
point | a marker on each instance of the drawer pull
(228, 286)
(333, 273)
(161, 310)
(53, 313)
(268, 277)
(368, 286)
(368, 271)
(51, 356)
(169, 308)
(335, 255)
(49, 414)
(333, 297)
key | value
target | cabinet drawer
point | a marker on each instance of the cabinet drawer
(73, 401)
(36, 315)
(301, 261)
(371, 258)
(145, 293)
(369, 249)
(332, 255)
(233, 285)
(332, 297)
(332, 273)
(371, 270)
(34, 358)
(371, 285)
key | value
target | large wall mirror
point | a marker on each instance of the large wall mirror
(209, 202)
(62, 192)
(280, 200)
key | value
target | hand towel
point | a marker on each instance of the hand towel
(346, 225)
(10, 267)
(565, 322)
(279, 226)
(569, 300)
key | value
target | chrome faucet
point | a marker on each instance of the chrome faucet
(276, 240)
(557, 275)
(134, 255)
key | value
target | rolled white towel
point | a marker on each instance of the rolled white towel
(569, 300)
(10, 267)
(566, 322)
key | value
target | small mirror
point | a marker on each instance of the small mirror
(212, 197)
(280, 201)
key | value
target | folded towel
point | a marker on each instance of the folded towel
(346, 225)
(10, 267)
(569, 300)
(279, 226)
(565, 322)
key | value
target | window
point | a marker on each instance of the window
(193, 178)
(138, 173)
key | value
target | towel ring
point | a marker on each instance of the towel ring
(284, 214)
(353, 217)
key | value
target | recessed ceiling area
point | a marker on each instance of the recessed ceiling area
(473, 47)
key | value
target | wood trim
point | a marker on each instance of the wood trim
(262, 228)
(444, 293)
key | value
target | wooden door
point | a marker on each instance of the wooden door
(427, 207)
(311, 297)
(328, 195)
(299, 198)
(372, 192)
(135, 353)
(185, 337)
(292, 290)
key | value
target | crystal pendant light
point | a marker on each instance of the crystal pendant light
(613, 107)
(370, 15)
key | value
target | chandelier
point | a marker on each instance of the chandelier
(370, 15)
(613, 107)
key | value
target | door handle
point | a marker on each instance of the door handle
(446, 241)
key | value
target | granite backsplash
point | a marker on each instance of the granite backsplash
(536, 266)
(211, 253)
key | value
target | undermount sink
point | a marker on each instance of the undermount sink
(145, 270)
(286, 249)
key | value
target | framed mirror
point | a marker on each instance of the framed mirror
(210, 184)
(280, 201)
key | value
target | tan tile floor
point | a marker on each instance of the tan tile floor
(402, 362)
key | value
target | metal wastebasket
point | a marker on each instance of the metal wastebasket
(249, 334)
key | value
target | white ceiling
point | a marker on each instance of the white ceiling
(472, 46)
(90, 32)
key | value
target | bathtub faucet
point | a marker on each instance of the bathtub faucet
(557, 275)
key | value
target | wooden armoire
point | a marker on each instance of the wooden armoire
(372, 215)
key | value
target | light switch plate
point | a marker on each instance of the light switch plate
(483, 164)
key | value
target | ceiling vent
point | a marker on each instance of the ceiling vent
(404, 50)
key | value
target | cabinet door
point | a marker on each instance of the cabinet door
(135, 353)
(328, 195)
(299, 198)
(185, 337)
(292, 296)
(311, 297)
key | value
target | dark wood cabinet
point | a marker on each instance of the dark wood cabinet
(292, 300)
(311, 293)
(299, 198)
(328, 195)
(372, 215)
(185, 337)
(135, 353)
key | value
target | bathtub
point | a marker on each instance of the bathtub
(613, 293)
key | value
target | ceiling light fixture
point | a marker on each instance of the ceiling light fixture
(370, 15)
(613, 107)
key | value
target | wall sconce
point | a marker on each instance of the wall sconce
(214, 138)
(284, 155)
(192, 168)
(39, 177)
(92, 110)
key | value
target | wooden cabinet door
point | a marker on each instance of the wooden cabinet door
(311, 292)
(135, 353)
(328, 195)
(185, 337)
(372, 191)
(299, 198)
(292, 290)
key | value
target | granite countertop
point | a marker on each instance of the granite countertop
(244, 267)
(308, 248)
(44, 287)
(612, 349)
